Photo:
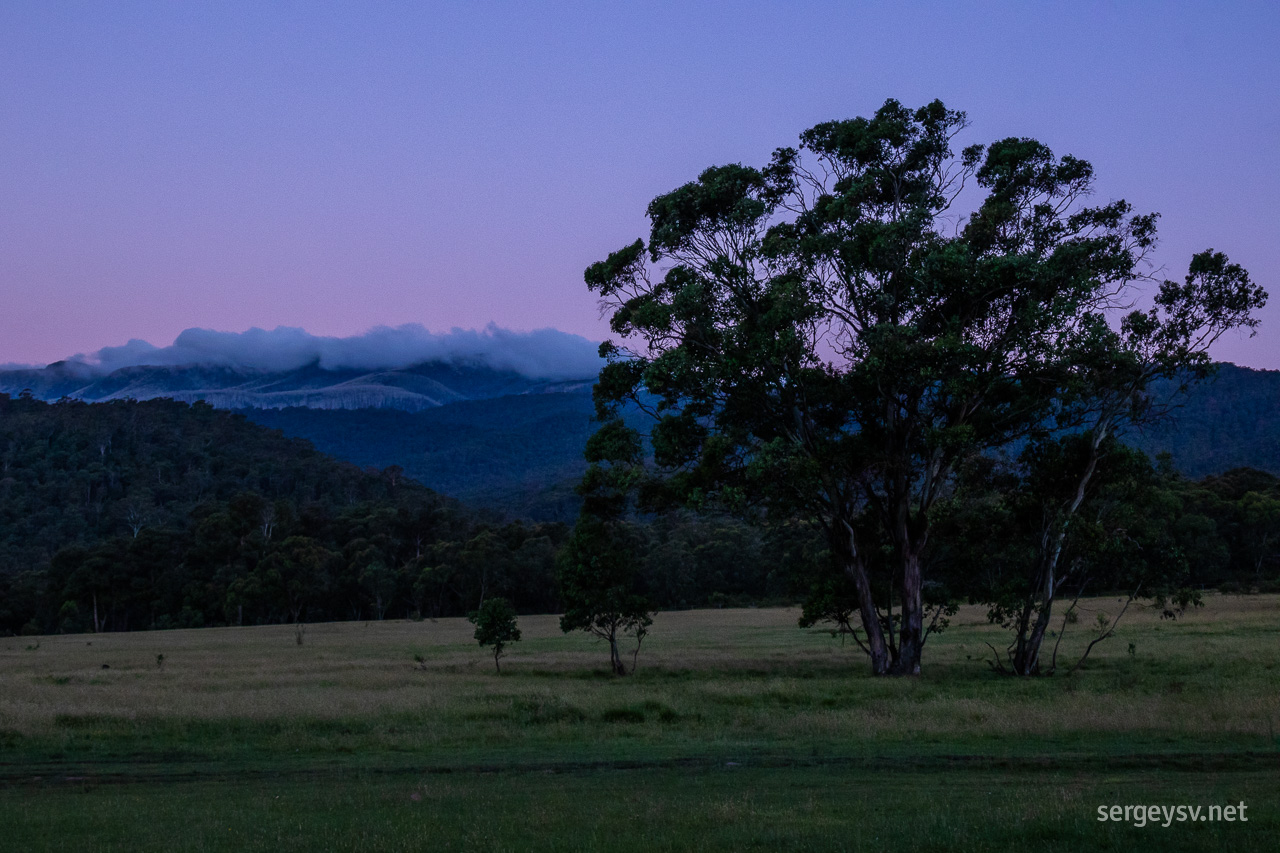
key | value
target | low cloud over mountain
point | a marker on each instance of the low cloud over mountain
(540, 354)
(405, 367)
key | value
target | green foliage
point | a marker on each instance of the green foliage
(128, 515)
(600, 586)
(817, 340)
(200, 518)
(1140, 530)
(495, 623)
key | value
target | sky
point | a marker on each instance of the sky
(336, 167)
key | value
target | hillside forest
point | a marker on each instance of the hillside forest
(156, 514)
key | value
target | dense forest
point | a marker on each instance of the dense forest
(155, 514)
(1230, 420)
(137, 515)
(133, 515)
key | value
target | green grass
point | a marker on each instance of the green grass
(645, 809)
(739, 731)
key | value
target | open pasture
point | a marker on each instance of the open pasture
(738, 731)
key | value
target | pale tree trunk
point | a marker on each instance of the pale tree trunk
(1030, 640)
(856, 570)
(615, 659)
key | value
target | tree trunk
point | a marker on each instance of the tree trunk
(1026, 660)
(870, 616)
(615, 659)
(911, 636)
(1026, 657)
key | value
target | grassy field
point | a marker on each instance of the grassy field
(739, 731)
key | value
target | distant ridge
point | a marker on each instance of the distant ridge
(500, 439)
(412, 389)
(1231, 420)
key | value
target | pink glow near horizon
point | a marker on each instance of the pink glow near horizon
(243, 165)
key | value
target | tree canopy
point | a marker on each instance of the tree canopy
(828, 337)
(496, 626)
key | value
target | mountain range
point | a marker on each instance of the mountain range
(411, 389)
(491, 437)
(500, 439)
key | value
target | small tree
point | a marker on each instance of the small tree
(495, 623)
(1126, 534)
(600, 589)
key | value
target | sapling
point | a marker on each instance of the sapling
(495, 623)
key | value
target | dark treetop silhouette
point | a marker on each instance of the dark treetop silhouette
(827, 338)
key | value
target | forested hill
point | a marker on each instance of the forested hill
(521, 454)
(1231, 420)
(74, 472)
(151, 514)
(518, 454)
(495, 439)
(127, 515)
(132, 515)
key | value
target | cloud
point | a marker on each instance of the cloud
(540, 354)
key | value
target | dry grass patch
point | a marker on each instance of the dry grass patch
(705, 676)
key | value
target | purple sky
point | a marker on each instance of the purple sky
(338, 166)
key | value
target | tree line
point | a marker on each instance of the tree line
(138, 515)
(149, 515)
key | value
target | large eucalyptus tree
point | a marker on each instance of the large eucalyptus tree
(828, 337)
